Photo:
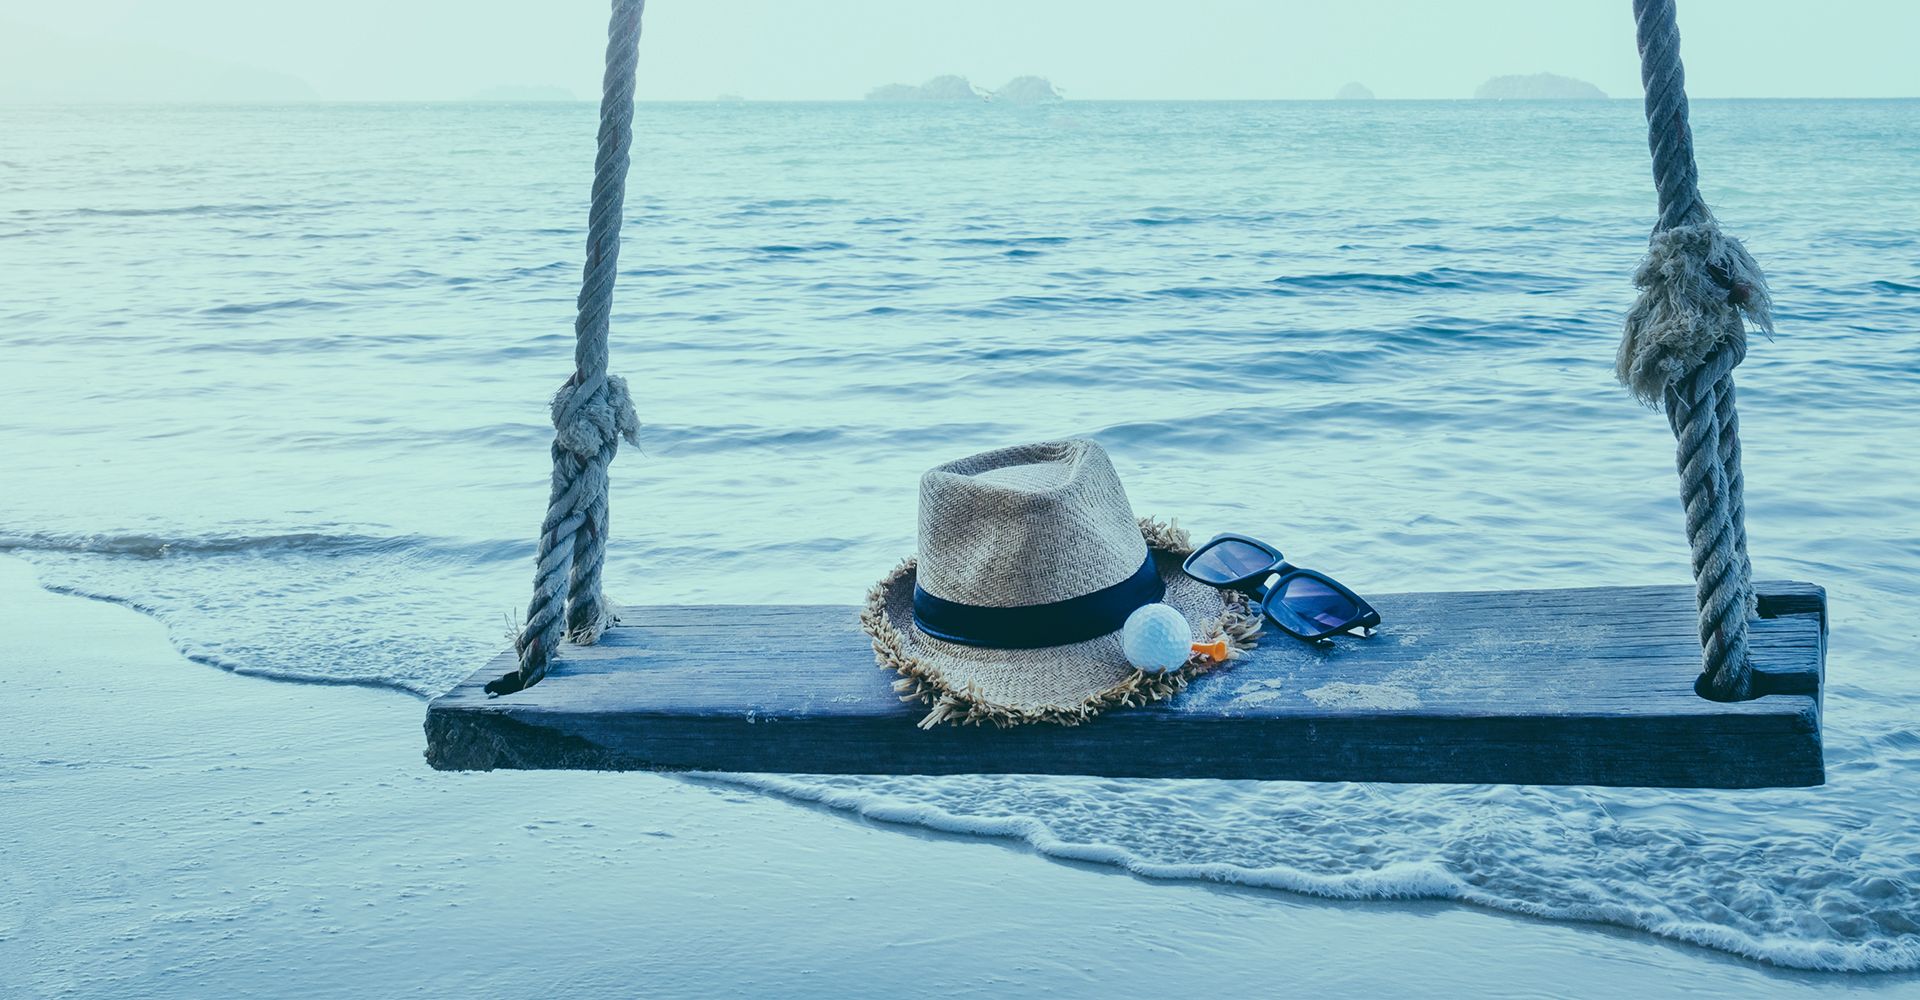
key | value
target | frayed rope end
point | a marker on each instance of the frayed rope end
(589, 632)
(587, 424)
(1698, 288)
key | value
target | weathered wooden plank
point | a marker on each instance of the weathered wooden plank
(1583, 686)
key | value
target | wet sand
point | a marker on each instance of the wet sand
(171, 830)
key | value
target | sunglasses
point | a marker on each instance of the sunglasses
(1302, 602)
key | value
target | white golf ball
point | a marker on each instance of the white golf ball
(1156, 637)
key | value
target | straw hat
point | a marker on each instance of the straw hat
(1030, 561)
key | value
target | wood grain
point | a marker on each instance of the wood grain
(1586, 686)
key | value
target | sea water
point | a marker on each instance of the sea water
(278, 376)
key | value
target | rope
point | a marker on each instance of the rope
(1684, 336)
(593, 410)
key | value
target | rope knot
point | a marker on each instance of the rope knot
(1698, 289)
(594, 416)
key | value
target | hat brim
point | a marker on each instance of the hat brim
(1062, 684)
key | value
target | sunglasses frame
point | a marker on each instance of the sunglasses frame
(1264, 584)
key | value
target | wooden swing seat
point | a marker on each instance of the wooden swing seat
(1589, 686)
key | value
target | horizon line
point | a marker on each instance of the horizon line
(288, 102)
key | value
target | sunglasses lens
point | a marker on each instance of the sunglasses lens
(1229, 560)
(1310, 607)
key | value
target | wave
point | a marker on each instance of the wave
(369, 680)
(135, 545)
(765, 204)
(332, 342)
(1439, 278)
(411, 277)
(235, 208)
(542, 269)
(249, 308)
(800, 248)
(1372, 283)
(1020, 305)
(1008, 241)
(407, 613)
(1392, 881)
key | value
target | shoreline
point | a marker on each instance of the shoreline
(174, 831)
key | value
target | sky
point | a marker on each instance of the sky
(356, 50)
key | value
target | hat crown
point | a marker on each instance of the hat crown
(1031, 524)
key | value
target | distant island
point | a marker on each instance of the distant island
(729, 97)
(1019, 90)
(1027, 90)
(1354, 92)
(940, 88)
(1538, 87)
(521, 93)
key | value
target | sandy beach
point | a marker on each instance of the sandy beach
(172, 830)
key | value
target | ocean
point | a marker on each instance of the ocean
(277, 376)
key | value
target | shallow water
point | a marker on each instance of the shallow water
(278, 376)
